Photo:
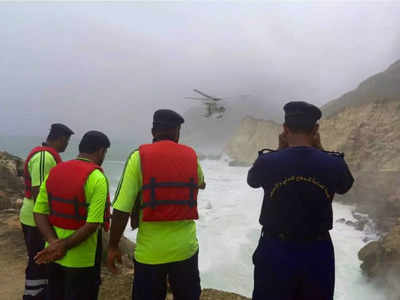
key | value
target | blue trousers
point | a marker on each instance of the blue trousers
(67, 283)
(35, 275)
(150, 281)
(293, 270)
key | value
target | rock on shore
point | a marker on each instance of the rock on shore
(11, 182)
(381, 262)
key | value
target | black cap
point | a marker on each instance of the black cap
(166, 119)
(92, 141)
(58, 130)
(300, 112)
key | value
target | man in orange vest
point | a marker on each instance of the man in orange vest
(160, 183)
(72, 205)
(37, 165)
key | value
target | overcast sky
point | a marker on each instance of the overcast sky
(109, 66)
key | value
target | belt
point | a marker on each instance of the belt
(284, 236)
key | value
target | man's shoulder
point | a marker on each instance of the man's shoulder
(272, 155)
(44, 156)
(97, 179)
(330, 156)
(187, 147)
(133, 156)
(133, 161)
(98, 174)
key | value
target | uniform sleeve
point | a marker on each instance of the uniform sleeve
(96, 191)
(200, 174)
(130, 184)
(42, 201)
(255, 176)
(39, 166)
(345, 179)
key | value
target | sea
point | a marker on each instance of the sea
(228, 228)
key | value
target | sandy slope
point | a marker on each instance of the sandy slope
(12, 257)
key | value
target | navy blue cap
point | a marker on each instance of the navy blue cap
(166, 119)
(301, 112)
(59, 129)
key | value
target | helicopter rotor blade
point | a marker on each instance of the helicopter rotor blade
(205, 95)
(200, 99)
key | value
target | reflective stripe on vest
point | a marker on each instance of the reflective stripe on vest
(191, 202)
(76, 204)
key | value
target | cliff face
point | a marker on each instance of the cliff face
(368, 134)
(383, 85)
(11, 183)
(252, 135)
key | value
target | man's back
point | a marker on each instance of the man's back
(299, 185)
(157, 242)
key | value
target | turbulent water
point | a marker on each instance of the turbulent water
(228, 232)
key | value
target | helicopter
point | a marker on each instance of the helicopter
(211, 103)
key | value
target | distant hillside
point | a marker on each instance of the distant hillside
(385, 85)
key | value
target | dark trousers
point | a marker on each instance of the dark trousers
(150, 281)
(35, 275)
(75, 283)
(293, 270)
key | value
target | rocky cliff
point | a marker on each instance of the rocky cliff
(381, 262)
(384, 85)
(369, 135)
(252, 135)
(11, 182)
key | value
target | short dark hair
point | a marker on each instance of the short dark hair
(92, 141)
(58, 130)
(165, 134)
(301, 127)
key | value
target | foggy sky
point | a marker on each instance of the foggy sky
(109, 66)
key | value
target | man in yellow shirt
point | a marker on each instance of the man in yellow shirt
(72, 204)
(160, 183)
(37, 165)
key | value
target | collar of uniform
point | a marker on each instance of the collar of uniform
(163, 140)
(84, 159)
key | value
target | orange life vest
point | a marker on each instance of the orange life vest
(66, 194)
(170, 182)
(27, 176)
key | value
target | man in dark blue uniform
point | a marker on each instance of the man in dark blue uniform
(294, 259)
